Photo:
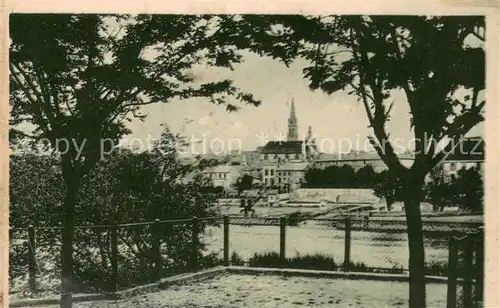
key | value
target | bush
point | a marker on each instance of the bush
(236, 259)
(314, 262)
(356, 266)
(267, 259)
(363, 268)
(323, 262)
(126, 188)
(437, 269)
(293, 219)
(211, 260)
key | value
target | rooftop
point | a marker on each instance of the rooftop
(221, 169)
(293, 166)
(355, 156)
(286, 147)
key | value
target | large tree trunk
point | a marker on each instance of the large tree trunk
(68, 231)
(413, 189)
(389, 202)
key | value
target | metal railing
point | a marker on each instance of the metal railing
(154, 234)
(466, 270)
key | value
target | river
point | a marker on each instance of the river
(375, 249)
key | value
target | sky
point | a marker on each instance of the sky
(338, 121)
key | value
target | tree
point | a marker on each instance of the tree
(438, 191)
(388, 187)
(126, 187)
(365, 177)
(339, 177)
(438, 63)
(313, 178)
(35, 191)
(78, 78)
(344, 177)
(468, 188)
(244, 182)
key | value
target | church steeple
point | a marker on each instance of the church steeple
(293, 131)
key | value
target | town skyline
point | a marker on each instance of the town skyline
(275, 86)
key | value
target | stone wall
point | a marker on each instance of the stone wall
(341, 195)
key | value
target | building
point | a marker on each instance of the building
(292, 147)
(293, 127)
(469, 153)
(223, 175)
(269, 173)
(291, 175)
(282, 150)
(251, 159)
(358, 160)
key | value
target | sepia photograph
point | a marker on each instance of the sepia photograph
(247, 160)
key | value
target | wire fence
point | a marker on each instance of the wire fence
(108, 258)
(466, 270)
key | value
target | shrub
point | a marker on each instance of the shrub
(267, 259)
(316, 262)
(356, 266)
(236, 259)
(437, 269)
(363, 268)
(293, 219)
(211, 260)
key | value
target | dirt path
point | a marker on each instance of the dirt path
(274, 291)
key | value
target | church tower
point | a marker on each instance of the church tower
(293, 130)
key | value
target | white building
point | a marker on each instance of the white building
(466, 155)
(223, 175)
(269, 175)
(291, 175)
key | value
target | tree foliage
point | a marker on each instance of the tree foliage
(77, 79)
(437, 62)
(389, 187)
(244, 182)
(82, 76)
(438, 190)
(465, 190)
(340, 177)
(127, 187)
(429, 59)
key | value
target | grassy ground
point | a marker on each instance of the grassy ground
(274, 291)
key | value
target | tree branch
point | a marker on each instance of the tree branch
(44, 123)
(378, 119)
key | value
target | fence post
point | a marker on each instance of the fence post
(114, 257)
(156, 248)
(452, 273)
(366, 222)
(347, 242)
(194, 243)
(226, 240)
(282, 240)
(479, 266)
(32, 258)
(468, 270)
